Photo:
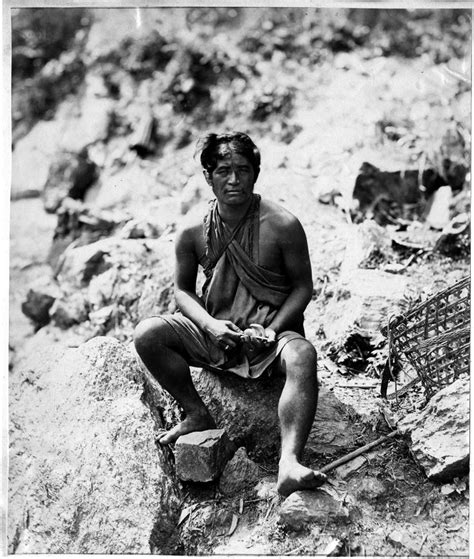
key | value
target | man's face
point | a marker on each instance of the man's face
(233, 179)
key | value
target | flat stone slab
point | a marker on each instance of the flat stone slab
(202, 455)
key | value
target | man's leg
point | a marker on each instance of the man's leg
(296, 411)
(159, 347)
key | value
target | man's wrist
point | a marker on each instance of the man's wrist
(206, 324)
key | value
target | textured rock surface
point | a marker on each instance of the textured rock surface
(246, 409)
(240, 472)
(366, 298)
(66, 313)
(85, 473)
(405, 540)
(201, 455)
(37, 306)
(305, 507)
(334, 430)
(370, 489)
(440, 433)
(81, 264)
(70, 174)
(42, 294)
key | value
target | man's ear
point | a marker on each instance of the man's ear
(207, 176)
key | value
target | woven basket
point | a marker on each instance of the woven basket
(434, 336)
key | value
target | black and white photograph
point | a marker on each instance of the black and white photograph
(238, 278)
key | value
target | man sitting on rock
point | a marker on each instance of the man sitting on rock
(249, 319)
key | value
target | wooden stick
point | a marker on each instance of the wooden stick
(358, 452)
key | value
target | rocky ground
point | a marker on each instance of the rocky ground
(90, 268)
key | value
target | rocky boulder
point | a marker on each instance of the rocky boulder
(132, 277)
(334, 429)
(70, 174)
(39, 300)
(86, 475)
(439, 434)
(248, 411)
(364, 299)
(245, 408)
(79, 223)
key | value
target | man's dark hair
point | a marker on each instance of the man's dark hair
(210, 147)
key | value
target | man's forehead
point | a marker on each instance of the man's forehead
(227, 153)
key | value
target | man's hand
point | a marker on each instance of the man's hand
(256, 337)
(224, 333)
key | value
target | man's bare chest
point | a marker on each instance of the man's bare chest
(269, 252)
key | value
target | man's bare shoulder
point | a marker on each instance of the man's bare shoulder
(278, 217)
(192, 223)
(190, 230)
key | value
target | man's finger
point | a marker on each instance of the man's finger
(270, 335)
(234, 328)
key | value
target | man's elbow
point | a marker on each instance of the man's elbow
(178, 296)
(306, 292)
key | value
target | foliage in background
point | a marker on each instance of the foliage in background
(44, 69)
(206, 76)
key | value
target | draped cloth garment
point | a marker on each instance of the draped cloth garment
(238, 289)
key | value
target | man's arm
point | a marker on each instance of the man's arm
(295, 255)
(223, 332)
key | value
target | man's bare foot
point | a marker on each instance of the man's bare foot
(293, 476)
(190, 424)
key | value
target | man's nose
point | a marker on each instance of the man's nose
(233, 177)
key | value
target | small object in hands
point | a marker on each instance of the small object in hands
(226, 347)
(256, 332)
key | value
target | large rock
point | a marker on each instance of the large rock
(68, 131)
(37, 305)
(334, 430)
(86, 475)
(69, 174)
(132, 186)
(132, 275)
(365, 299)
(67, 312)
(125, 260)
(439, 434)
(246, 409)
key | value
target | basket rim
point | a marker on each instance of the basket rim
(395, 320)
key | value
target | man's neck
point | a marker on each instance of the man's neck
(232, 215)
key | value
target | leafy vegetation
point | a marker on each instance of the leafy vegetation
(199, 70)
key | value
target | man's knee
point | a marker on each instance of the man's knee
(149, 333)
(300, 354)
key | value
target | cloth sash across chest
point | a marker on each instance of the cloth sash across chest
(237, 288)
